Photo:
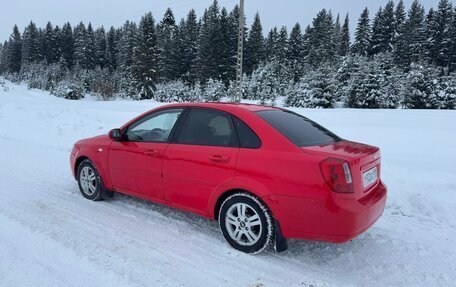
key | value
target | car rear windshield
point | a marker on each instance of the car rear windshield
(300, 130)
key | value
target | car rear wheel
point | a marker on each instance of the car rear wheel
(89, 181)
(246, 223)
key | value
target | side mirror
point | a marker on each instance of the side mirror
(115, 134)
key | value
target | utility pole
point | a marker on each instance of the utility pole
(240, 54)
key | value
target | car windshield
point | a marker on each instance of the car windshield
(298, 129)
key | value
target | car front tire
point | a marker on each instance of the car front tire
(246, 223)
(89, 181)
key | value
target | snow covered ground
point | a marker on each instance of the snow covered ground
(51, 236)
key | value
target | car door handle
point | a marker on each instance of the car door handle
(152, 152)
(219, 159)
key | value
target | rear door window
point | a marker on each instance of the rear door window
(209, 128)
(298, 129)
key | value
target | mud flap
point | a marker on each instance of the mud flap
(281, 243)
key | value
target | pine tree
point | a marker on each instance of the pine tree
(441, 37)
(208, 59)
(127, 42)
(399, 23)
(383, 30)
(412, 42)
(30, 45)
(376, 35)
(145, 58)
(345, 38)
(112, 39)
(295, 56)
(282, 47)
(166, 32)
(271, 44)
(67, 41)
(431, 27)
(225, 59)
(85, 53)
(362, 35)
(90, 49)
(100, 48)
(14, 51)
(189, 36)
(254, 51)
(322, 48)
(50, 45)
(452, 53)
(4, 57)
(337, 38)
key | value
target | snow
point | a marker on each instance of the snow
(51, 236)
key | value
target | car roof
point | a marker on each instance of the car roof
(224, 106)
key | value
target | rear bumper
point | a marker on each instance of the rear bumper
(332, 219)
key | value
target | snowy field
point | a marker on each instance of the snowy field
(51, 236)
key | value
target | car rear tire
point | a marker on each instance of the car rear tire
(246, 223)
(89, 181)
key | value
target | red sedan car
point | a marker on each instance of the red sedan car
(266, 174)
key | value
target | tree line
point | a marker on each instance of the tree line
(398, 58)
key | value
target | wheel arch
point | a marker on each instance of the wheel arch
(77, 163)
(230, 192)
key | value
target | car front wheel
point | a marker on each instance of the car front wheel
(246, 223)
(89, 181)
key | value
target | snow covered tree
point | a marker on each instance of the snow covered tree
(345, 37)
(254, 49)
(362, 41)
(14, 53)
(298, 95)
(145, 58)
(322, 88)
(448, 93)
(214, 91)
(422, 88)
(30, 45)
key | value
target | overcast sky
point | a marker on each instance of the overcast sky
(115, 12)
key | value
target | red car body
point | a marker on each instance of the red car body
(288, 178)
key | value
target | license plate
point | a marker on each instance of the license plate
(370, 177)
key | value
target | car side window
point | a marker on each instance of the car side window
(247, 137)
(155, 127)
(209, 128)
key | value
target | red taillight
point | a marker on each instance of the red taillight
(337, 175)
